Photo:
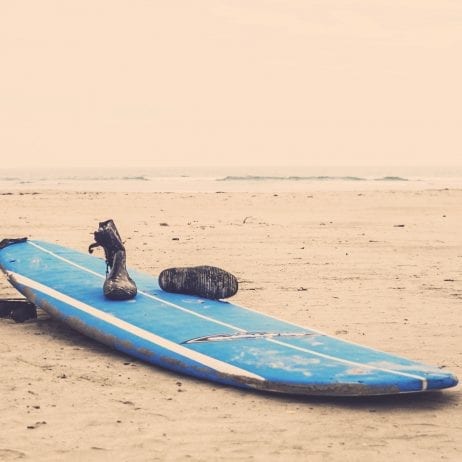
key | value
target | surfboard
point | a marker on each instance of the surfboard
(213, 340)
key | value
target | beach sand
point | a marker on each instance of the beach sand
(380, 268)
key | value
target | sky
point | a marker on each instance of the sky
(235, 82)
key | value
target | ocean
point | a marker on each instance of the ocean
(230, 179)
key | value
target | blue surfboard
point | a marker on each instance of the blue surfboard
(208, 339)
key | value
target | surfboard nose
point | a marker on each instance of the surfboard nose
(446, 380)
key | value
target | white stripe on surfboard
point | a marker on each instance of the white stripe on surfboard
(354, 364)
(239, 329)
(205, 360)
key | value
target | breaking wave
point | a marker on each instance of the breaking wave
(308, 178)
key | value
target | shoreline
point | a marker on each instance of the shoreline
(264, 179)
(199, 185)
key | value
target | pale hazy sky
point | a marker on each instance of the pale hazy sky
(325, 82)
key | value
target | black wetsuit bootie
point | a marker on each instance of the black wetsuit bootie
(118, 285)
(203, 281)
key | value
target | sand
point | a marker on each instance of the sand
(381, 268)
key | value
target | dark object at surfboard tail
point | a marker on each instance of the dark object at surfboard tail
(118, 284)
(18, 309)
(204, 281)
(6, 242)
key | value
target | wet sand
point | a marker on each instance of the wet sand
(381, 268)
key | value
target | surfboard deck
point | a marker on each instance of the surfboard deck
(207, 339)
